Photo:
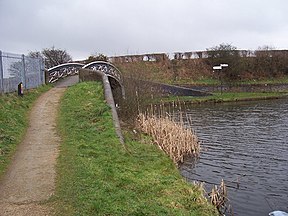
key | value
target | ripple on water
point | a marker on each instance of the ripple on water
(246, 145)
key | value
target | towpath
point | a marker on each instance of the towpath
(30, 178)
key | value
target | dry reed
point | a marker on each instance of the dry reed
(171, 130)
(172, 137)
(218, 197)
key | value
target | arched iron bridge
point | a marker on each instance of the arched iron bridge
(70, 69)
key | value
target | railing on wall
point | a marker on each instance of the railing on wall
(16, 68)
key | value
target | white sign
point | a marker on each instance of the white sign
(217, 68)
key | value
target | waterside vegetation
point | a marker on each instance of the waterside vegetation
(174, 138)
(219, 97)
(98, 176)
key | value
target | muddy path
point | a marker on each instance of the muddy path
(30, 178)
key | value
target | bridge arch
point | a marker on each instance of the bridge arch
(114, 75)
(105, 67)
(63, 70)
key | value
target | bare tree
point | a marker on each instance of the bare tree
(55, 57)
(228, 54)
(52, 56)
(35, 54)
(223, 52)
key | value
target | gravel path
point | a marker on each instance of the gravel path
(30, 178)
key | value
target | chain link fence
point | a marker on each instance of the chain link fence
(15, 68)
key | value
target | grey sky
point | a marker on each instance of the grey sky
(118, 27)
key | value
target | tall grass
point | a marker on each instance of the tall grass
(169, 134)
(172, 132)
(172, 137)
(138, 96)
(219, 198)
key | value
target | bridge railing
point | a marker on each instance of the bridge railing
(16, 68)
(68, 69)
(106, 68)
(60, 71)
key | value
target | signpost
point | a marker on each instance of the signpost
(219, 68)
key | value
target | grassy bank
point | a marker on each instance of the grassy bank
(192, 72)
(215, 81)
(225, 97)
(98, 176)
(14, 121)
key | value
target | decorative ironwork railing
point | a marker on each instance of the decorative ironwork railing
(105, 67)
(63, 70)
(69, 69)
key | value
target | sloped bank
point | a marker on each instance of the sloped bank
(222, 98)
(98, 176)
(269, 87)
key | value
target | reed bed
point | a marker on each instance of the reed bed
(171, 129)
(172, 137)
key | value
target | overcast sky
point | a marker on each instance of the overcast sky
(120, 27)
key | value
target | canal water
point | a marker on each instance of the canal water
(246, 144)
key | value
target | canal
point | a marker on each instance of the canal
(246, 144)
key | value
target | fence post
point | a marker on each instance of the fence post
(1, 74)
(24, 71)
(42, 70)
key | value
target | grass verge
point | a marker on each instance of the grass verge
(214, 81)
(225, 97)
(14, 121)
(98, 176)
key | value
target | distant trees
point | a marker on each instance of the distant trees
(244, 64)
(226, 54)
(270, 62)
(52, 56)
(96, 57)
(35, 54)
(223, 51)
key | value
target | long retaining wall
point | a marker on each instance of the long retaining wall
(168, 90)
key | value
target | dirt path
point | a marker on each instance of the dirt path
(30, 178)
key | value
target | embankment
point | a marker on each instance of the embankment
(98, 176)
(169, 72)
(197, 74)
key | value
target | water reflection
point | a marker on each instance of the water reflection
(246, 145)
